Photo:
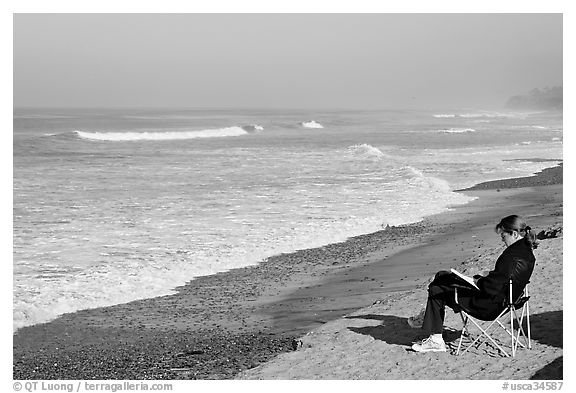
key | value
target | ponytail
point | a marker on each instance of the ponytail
(530, 237)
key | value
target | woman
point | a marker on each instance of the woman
(516, 263)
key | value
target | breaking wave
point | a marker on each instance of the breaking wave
(367, 151)
(428, 183)
(162, 136)
(457, 130)
(311, 124)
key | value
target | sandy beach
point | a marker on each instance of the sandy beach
(343, 307)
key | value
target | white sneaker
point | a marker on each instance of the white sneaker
(416, 321)
(429, 345)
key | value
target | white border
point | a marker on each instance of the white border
(301, 6)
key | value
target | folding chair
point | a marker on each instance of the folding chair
(511, 307)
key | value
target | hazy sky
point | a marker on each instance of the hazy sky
(283, 60)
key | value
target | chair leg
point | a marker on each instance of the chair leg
(485, 333)
(464, 331)
(521, 329)
(527, 306)
(516, 339)
(528, 325)
(512, 329)
(509, 333)
(487, 337)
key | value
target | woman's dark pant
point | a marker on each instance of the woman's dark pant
(440, 295)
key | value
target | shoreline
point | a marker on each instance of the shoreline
(220, 325)
(546, 177)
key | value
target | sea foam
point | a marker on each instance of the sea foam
(367, 151)
(444, 115)
(457, 130)
(311, 124)
(428, 183)
(162, 136)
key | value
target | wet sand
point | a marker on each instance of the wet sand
(217, 326)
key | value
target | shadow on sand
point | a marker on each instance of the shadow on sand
(552, 370)
(395, 330)
(546, 328)
(392, 330)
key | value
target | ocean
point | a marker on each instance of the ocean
(112, 206)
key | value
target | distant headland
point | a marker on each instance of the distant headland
(545, 98)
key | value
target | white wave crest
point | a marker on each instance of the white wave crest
(311, 124)
(457, 130)
(477, 115)
(429, 183)
(162, 136)
(531, 127)
(367, 151)
(445, 115)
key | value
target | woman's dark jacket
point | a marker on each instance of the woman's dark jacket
(516, 263)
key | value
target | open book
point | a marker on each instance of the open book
(469, 280)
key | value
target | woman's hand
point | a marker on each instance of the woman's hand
(481, 275)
